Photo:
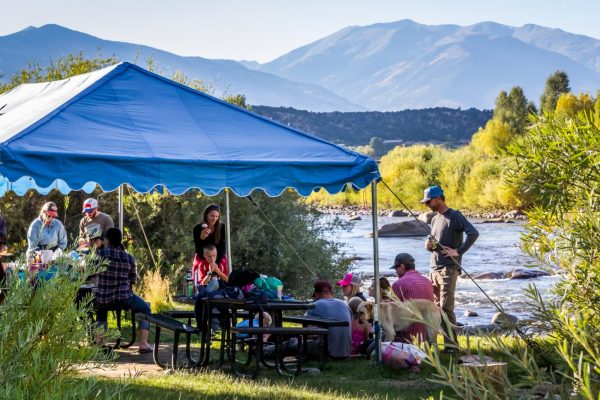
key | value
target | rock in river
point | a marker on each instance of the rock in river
(398, 213)
(520, 273)
(485, 275)
(504, 318)
(403, 229)
(427, 216)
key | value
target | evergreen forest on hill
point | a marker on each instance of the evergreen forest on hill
(449, 126)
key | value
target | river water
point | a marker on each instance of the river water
(496, 250)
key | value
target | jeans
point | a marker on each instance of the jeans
(134, 303)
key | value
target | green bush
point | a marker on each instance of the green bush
(45, 339)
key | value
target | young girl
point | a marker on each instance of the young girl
(360, 331)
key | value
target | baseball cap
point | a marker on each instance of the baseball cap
(402, 258)
(431, 192)
(350, 279)
(95, 233)
(90, 205)
(50, 209)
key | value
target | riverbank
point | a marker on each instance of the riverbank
(353, 211)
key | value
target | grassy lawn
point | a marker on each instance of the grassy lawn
(349, 379)
(341, 380)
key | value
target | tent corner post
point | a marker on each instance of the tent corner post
(376, 271)
(228, 232)
(120, 207)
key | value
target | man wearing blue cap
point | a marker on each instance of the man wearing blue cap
(447, 247)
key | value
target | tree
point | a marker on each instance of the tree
(556, 84)
(378, 146)
(512, 109)
(492, 139)
(569, 105)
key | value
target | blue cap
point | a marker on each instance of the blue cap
(431, 192)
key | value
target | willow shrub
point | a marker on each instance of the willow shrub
(558, 164)
(45, 338)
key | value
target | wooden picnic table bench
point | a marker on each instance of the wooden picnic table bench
(279, 334)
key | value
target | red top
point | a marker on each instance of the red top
(200, 268)
(412, 286)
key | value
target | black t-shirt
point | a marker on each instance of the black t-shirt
(210, 239)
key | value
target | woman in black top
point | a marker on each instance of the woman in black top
(209, 231)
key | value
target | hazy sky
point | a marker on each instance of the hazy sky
(265, 29)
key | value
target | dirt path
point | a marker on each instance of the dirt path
(131, 364)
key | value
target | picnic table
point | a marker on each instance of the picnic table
(229, 308)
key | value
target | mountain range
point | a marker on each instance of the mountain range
(49, 42)
(384, 67)
(404, 64)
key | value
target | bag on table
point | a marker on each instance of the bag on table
(268, 286)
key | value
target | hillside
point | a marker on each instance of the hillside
(432, 125)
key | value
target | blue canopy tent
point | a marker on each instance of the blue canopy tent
(125, 125)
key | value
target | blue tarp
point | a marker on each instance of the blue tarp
(131, 126)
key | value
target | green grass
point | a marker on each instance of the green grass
(353, 379)
(349, 379)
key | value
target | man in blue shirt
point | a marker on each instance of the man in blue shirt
(339, 340)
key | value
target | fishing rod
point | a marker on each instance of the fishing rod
(528, 340)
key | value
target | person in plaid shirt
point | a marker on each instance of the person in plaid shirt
(114, 285)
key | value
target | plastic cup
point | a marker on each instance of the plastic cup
(279, 292)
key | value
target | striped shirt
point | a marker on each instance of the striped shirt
(114, 284)
(411, 286)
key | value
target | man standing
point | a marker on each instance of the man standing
(446, 247)
(93, 220)
(339, 340)
(411, 285)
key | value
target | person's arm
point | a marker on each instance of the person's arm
(132, 271)
(471, 233)
(33, 237)
(62, 236)
(108, 223)
(221, 274)
(198, 243)
(82, 228)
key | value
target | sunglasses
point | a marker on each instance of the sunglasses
(429, 201)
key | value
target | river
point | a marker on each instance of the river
(496, 250)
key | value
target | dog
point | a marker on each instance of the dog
(397, 316)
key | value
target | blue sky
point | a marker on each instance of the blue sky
(265, 29)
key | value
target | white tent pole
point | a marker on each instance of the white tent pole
(120, 211)
(228, 232)
(376, 270)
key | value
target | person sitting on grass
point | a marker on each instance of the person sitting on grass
(114, 286)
